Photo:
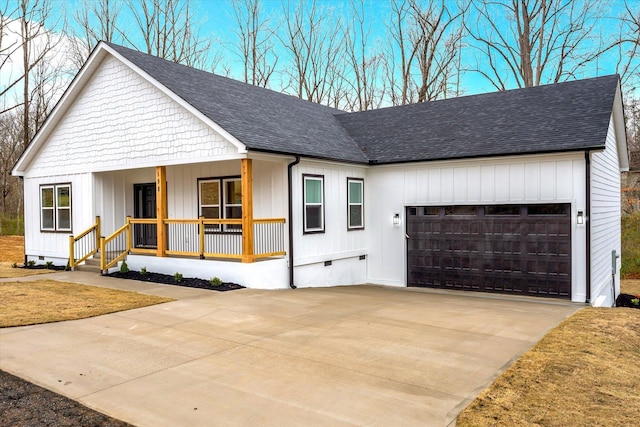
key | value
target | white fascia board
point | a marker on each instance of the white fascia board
(617, 116)
(242, 149)
(58, 111)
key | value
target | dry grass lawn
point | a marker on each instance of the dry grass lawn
(585, 372)
(7, 271)
(44, 301)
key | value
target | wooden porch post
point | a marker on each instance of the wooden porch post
(161, 209)
(246, 178)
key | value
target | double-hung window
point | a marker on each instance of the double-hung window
(55, 207)
(313, 189)
(220, 198)
(355, 203)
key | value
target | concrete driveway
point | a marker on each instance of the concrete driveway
(361, 355)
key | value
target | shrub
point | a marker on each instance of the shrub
(31, 264)
(14, 265)
(48, 265)
(215, 281)
(143, 271)
(177, 277)
(124, 268)
(68, 266)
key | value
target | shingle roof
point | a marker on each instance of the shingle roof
(544, 119)
(566, 116)
(261, 119)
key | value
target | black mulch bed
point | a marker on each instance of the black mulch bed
(23, 404)
(43, 267)
(189, 282)
(628, 300)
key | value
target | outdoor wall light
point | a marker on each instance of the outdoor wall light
(580, 217)
(396, 219)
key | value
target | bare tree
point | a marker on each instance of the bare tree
(313, 38)
(92, 22)
(168, 29)
(425, 39)
(10, 149)
(530, 42)
(363, 63)
(628, 44)
(254, 42)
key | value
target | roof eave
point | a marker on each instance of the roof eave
(488, 156)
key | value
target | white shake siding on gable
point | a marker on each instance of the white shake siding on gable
(605, 221)
(121, 121)
(519, 180)
(343, 248)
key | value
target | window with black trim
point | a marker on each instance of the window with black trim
(313, 195)
(220, 198)
(55, 207)
(355, 203)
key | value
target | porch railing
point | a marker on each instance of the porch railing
(201, 237)
(84, 245)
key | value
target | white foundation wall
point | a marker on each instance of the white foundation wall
(522, 179)
(337, 245)
(605, 222)
(265, 274)
(119, 120)
(54, 246)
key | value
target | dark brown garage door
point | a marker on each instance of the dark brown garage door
(517, 249)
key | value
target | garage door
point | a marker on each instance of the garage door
(516, 249)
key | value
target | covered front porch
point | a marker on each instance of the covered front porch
(199, 246)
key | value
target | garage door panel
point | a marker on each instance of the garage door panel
(520, 249)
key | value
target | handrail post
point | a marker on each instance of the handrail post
(72, 256)
(129, 234)
(201, 236)
(98, 232)
(103, 255)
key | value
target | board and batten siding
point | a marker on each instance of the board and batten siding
(54, 246)
(605, 221)
(338, 245)
(520, 180)
(121, 121)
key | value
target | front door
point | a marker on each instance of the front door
(144, 235)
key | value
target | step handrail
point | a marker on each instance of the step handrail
(92, 248)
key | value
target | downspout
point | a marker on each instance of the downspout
(289, 181)
(587, 161)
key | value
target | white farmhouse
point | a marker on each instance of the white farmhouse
(185, 171)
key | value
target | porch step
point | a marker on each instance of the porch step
(90, 264)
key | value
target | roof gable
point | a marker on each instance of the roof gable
(262, 119)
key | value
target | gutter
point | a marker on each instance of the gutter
(587, 161)
(289, 183)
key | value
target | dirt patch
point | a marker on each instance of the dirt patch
(23, 404)
(45, 301)
(630, 287)
(12, 249)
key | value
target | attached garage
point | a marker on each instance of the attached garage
(516, 249)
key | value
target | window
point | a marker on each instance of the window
(355, 201)
(220, 198)
(55, 207)
(313, 203)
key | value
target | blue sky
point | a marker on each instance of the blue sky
(215, 18)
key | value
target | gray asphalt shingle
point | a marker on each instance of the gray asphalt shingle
(566, 116)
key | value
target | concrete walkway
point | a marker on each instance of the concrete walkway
(360, 355)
